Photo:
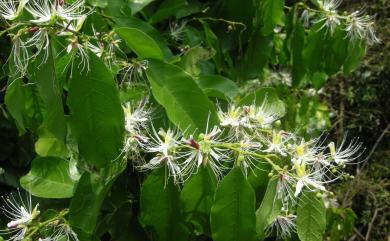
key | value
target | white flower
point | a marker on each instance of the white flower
(245, 159)
(63, 232)
(232, 118)
(278, 143)
(360, 26)
(21, 213)
(8, 9)
(41, 41)
(132, 71)
(45, 11)
(284, 225)
(20, 55)
(176, 30)
(80, 51)
(205, 151)
(73, 11)
(263, 115)
(284, 188)
(307, 152)
(312, 180)
(330, 17)
(136, 119)
(344, 154)
(42, 10)
(164, 144)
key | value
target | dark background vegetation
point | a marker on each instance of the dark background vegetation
(361, 104)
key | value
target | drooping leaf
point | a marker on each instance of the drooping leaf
(233, 212)
(311, 217)
(160, 208)
(269, 209)
(49, 177)
(96, 113)
(185, 103)
(141, 43)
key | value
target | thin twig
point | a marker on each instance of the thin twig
(371, 224)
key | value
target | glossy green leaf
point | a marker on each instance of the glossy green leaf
(160, 208)
(233, 212)
(49, 177)
(185, 103)
(141, 43)
(269, 209)
(311, 217)
(96, 113)
(218, 86)
(272, 13)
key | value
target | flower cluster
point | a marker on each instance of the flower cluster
(357, 25)
(48, 18)
(248, 137)
(24, 223)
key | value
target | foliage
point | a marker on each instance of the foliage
(175, 119)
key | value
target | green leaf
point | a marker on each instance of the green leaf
(268, 94)
(256, 56)
(133, 22)
(233, 213)
(269, 209)
(88, 198)
(49, 145)
(141, 43)
(297, 45)
(49, 177)
(313, 53)
(160, 207)
(96, 113)
(356, 52)
(45, 78)
(185, 103)
(15, 102)
(272, 13)
(197, 198)
(218, 86)
(311, 217)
